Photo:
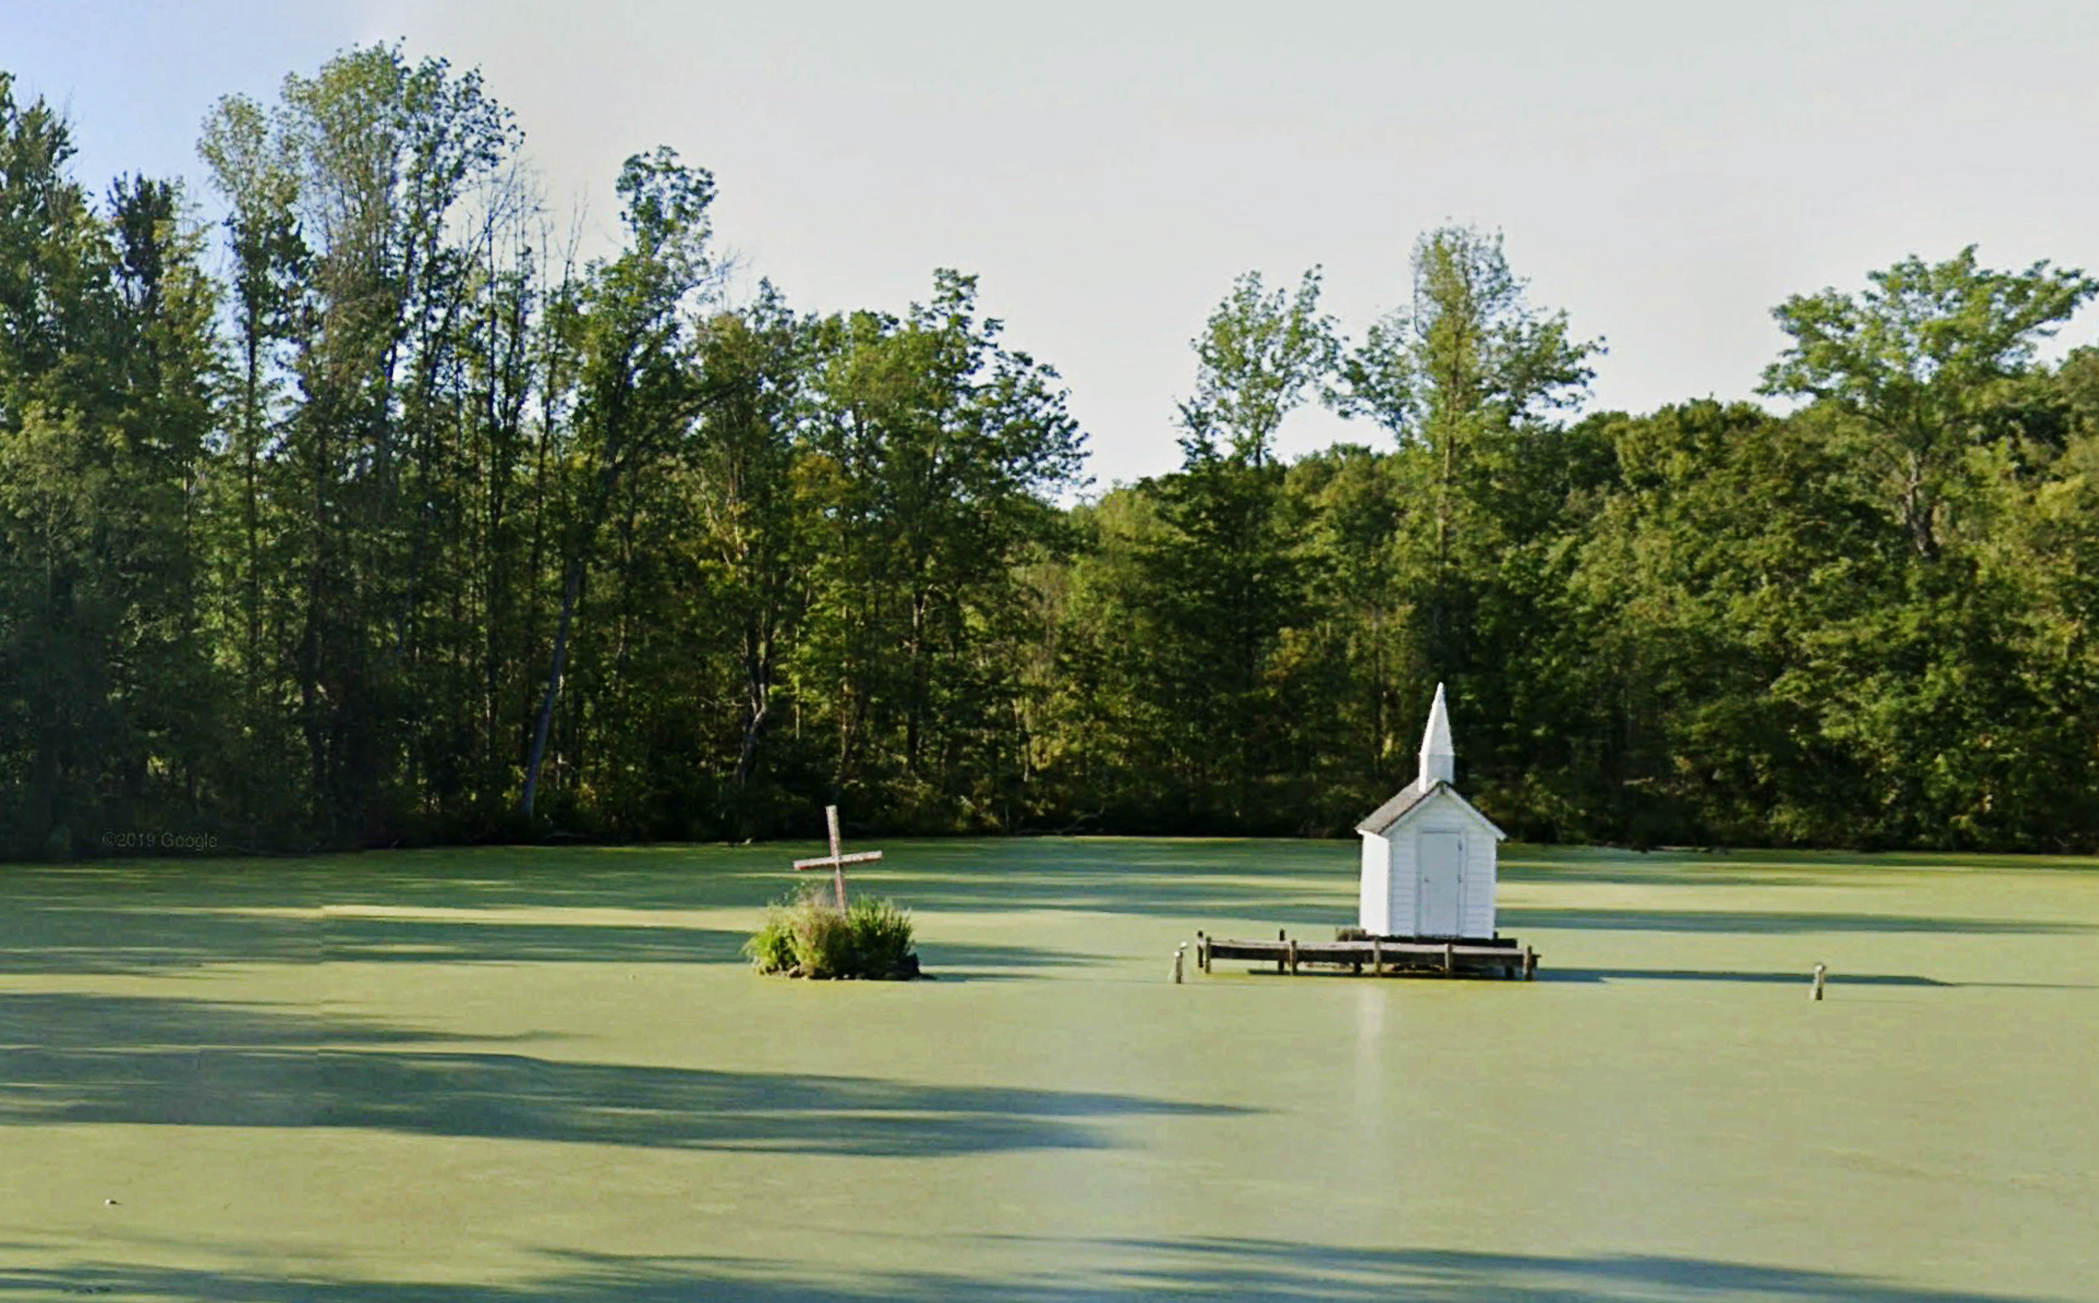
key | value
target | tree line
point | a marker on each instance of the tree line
(372, 515)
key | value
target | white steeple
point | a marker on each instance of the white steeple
(1439, 760)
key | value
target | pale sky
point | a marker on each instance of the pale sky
(1665, 172)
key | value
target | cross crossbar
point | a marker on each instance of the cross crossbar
(826, 861)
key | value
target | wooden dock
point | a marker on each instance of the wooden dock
(1380, 956)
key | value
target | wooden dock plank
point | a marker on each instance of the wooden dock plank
(1331, 952)
(1451, 958)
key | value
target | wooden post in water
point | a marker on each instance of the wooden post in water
(1280, 959)
(1821, 971)
(1377, 956)
(1450, 958)
(1293, 958)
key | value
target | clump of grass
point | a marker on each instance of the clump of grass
(807, 936)
(771, 947)
(822, 940)
(881, 938)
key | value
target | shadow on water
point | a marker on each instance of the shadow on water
(1306, 884)
(112, 932)
(978, 962)
(1687, 867)
(358, 938)
(113, 939)
(69, 1058)
(1770, 921)
(1802, 980)
(98, 924)
(144, 916)
(1124, 876)
(1189, 1268)
(1615, 872)
(50, 933)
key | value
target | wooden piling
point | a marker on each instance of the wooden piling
(1377, 957)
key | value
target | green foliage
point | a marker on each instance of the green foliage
(881, 938)
(822, 941)
(1217, 577)
(1260, 355)
(1468, 355)
(409, 531)
(807, 936)
(1918, 363)
(771, 948)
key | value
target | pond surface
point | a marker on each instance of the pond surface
(509, 1074)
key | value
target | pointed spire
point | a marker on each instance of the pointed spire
(1439, 760)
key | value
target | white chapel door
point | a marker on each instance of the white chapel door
(1442, 860)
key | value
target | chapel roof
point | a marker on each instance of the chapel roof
(1380, 820)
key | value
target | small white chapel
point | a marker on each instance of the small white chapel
(1429, 857)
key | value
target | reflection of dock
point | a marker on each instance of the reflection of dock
(1380, 956)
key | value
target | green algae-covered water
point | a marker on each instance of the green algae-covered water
(463, 1077)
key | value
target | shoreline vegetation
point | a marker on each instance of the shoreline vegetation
(370, 517)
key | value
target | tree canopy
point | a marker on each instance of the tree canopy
(369, 515)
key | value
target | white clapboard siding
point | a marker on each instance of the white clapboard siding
(1482, 856)
(1374, 907)
(1403, 884)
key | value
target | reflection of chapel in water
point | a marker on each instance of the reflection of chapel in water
(1429, 857)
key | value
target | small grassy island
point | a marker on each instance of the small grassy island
(809, 936)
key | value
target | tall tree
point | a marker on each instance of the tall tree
(942, 449)
(634, 388)
(164, 678)
(1261, 355)
(1222, 581)
(757, 378)
(260, 187)
(56, 615)
(1464, 378)
(1918, 361)
(346, 213)
(1356, 504)
(106, 692)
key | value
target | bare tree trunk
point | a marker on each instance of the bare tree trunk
(758, 691)
(569, 589)
(747, 757)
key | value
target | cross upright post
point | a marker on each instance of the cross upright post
(837, 859)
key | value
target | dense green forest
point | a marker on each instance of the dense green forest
(370, 515)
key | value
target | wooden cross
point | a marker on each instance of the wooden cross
(836, 860)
